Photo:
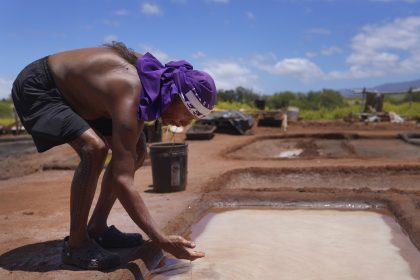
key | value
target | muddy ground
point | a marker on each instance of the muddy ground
(34, 188)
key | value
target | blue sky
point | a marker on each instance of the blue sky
(265, 45)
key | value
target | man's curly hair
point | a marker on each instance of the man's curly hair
(123, 51)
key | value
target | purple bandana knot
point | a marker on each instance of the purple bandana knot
(161, 83)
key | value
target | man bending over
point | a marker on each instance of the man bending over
(96, 99)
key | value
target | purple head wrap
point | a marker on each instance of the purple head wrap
(161, 83)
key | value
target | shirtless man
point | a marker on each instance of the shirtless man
(96, 99)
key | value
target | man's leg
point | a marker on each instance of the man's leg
(92, 151)
(98, 221)
(79, 249)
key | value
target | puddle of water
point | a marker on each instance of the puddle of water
(298, 244)
(378, 180)
(290, 153)
(395, 149)
(388, 148)
(332, 148)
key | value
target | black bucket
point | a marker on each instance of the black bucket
(169, 166)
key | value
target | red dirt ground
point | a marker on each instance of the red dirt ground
(34, 200)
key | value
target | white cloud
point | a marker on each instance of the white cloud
(301, 68)
(376, 51)
(388, 48)
(121, 12)
(354, 72)
(109, 38)
(325, 51)
(298, 67)
(400, 34)
(150, 9)
(5, 87)
(249, 15)
(230, 74)
(373, 58)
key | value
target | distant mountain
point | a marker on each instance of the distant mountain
(398, 87)
(385, 88)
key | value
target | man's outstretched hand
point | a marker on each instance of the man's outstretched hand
(181, 248)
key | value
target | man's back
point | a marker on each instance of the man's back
(89, 79)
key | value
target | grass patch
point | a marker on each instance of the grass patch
(329, 114)
(405, 109)
(352, 106)
(6, 121)
(6, 110)
(226, 105)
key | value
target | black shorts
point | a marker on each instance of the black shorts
(44, 112)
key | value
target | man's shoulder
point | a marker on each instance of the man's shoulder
(123, 83)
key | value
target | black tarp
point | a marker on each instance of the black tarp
(231, 122)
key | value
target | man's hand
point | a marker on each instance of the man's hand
(180, 248)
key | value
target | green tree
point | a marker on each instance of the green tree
(240, 94)
(225, 95)
(316, 100)
(331, 99)
(281, 99)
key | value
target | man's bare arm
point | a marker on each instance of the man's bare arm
(126, 131)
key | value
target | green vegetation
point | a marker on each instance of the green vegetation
(6, 113)
(316, 105)
(226, 105)
(400, 98)
(6, 109)
(6, 121)
(238, 95)
(326, 104)
(329, 114)
(314, 100)
(412, 96)
(404, 109)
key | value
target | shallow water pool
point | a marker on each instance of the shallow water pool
(297, 244)
(312, 147)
